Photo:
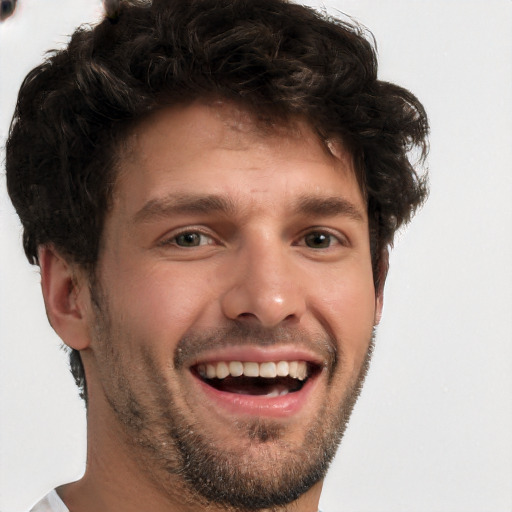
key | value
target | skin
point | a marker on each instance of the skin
(254, 268)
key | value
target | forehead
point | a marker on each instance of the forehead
(224, 124)
(219, 147)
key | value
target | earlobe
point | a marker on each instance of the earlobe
(379, 303)
(382, 272)
(65, 298)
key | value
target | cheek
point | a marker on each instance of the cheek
(348, 308)
(159, 302)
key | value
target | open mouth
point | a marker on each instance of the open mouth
(269, 379)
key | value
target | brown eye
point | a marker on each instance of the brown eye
(189, 239)
(318, 240)
(7, 8)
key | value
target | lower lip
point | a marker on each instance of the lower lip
(260, 405)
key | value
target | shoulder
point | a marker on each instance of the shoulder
(50, 503)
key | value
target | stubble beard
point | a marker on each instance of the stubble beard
(170, 449)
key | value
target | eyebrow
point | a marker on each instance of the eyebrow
(189, 203)
(320, 206)
(317, 206)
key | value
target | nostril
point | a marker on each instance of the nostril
(246, 315)
(257, 301)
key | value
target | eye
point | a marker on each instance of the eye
(319, 240)
(190, 239)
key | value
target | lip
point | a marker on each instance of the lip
(259, 355)
(234, 404)
(257, 405)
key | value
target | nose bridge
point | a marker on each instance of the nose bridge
(265, 285)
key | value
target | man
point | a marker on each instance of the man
(210, 189)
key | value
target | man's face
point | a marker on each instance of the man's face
(228, 254)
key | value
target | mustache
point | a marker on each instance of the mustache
(193, 344)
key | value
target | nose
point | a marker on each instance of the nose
(266, 287)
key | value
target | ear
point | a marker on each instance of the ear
(66, 298)
(382, 273)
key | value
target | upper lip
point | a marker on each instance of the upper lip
(257, 354)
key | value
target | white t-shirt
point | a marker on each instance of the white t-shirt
(50, 503)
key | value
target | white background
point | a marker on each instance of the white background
(432, 431)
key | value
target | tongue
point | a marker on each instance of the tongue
(256, 385)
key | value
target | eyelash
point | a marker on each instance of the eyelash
(337, 238)
(334, 238)
(173, 240)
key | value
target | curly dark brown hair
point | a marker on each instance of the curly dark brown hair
(270, 56)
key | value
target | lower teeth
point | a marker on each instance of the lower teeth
(276, 392)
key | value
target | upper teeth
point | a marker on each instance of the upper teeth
(269, 369)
